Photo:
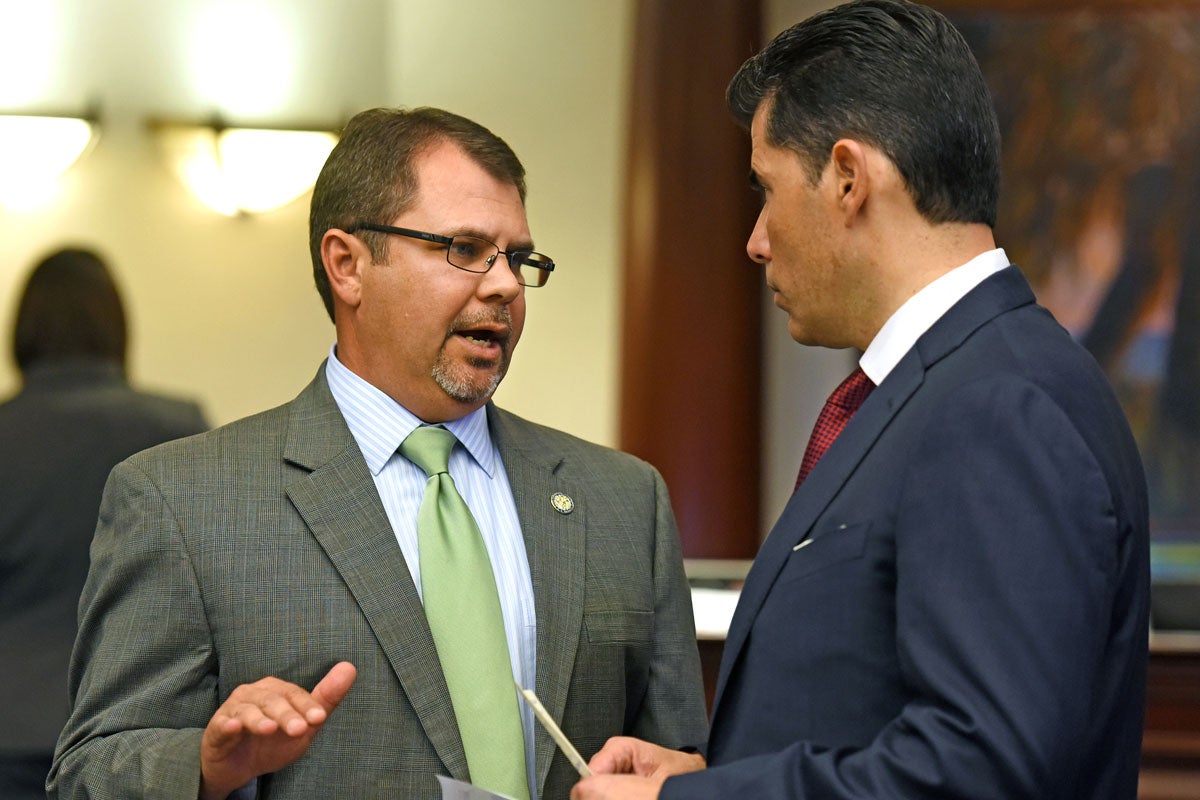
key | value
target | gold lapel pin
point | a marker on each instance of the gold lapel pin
(562, 503)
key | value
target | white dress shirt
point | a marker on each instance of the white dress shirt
(379, 424)
(919, 312)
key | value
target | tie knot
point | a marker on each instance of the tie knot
(851, 392)
(429, 448)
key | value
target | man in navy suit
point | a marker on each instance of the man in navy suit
(953, 604)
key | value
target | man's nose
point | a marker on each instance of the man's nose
(500, 282)
(758, 246)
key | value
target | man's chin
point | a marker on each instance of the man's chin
(469, 389)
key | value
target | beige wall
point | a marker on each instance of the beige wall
(223, 309)
(220, 308)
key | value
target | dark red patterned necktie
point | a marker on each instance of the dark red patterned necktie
(838, 410)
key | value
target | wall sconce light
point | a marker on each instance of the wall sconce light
(35, 151)
(237, 171)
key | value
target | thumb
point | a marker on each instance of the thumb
(332, 689)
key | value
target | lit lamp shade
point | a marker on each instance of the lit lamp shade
(34, 152)
(245, 170)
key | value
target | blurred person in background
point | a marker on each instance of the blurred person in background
(74, 418)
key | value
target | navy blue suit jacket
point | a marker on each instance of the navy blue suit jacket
(954, 603)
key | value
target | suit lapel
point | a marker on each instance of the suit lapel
(999, 293)
(555, 545)
(807, 504)
(337, 499)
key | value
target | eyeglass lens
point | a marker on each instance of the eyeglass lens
(477, 255)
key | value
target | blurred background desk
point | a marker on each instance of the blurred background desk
(716, 584)
(1171, 744)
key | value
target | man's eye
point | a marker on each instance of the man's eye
(466, 249)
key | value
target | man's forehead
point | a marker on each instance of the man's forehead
(445, 173)
(455, 208)
(760, 148)
(758, 135)
(758, 123)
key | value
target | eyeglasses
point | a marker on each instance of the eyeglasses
(472, 254)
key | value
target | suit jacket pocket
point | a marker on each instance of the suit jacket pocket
(619, 627)
(825, 548)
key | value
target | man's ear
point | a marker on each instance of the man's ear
(344, 256)
(852, 178)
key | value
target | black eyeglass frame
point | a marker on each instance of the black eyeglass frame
(544, 268)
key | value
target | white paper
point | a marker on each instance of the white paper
(457, 790)
(713, 610)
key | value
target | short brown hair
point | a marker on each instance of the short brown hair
(369, 176)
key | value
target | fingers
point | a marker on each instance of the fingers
(624, 755)
(616, 787)
(270, 705)
(264, 726)
(267, 706)
(615, 757)
(627, 755)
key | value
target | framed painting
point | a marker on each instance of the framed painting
(1099, 108)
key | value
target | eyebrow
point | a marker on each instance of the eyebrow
(487, 237)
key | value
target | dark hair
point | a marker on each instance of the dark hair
(370, 175)
(895, 75)
(70, 308)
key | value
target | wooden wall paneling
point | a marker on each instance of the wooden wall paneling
(691, 351)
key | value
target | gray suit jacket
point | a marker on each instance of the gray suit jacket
(73, 420)
(262, 548)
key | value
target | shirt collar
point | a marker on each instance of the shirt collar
(379, 424)
(919, 312)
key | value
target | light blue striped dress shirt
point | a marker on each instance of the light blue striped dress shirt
(379, 424)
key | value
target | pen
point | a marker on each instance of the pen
(564, 744)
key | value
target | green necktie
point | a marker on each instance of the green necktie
(463, 609)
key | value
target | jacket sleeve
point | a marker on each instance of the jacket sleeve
(672, 713)
(142, 677)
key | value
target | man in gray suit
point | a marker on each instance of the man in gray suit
(253, 621)
(74, 418)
